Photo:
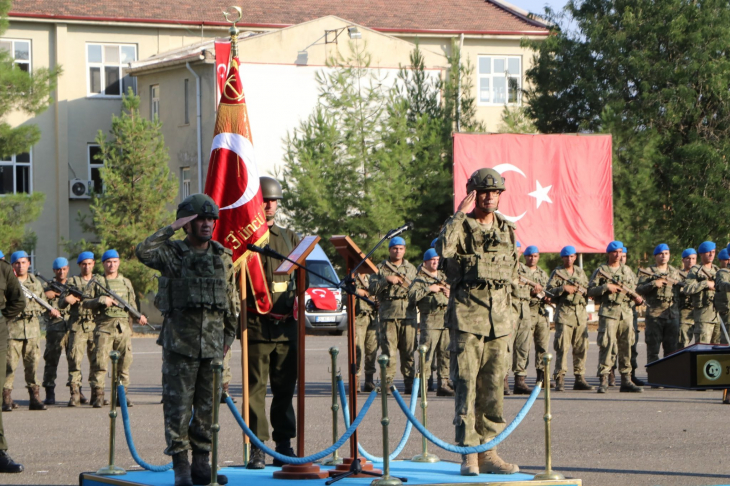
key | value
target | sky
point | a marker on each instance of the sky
(537, 6)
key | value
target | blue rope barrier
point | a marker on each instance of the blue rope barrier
(473, 449)
(301, 460)
(128, 434)
(406, 433)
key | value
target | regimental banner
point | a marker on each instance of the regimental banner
(222, 56)
(559, 187)
(233, 183)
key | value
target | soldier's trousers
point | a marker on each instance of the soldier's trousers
(521, 345)
(367, 343)
(477, 370)
(399, 335)
(275, 362)
(56, 344)
(541, 337)
(686, 328)
(78, 343)
(661, 332)
(704, 331)
(566, 337)
(187, 383)
(619, 333)
(717, 335)
(634, 346)
(104, 344)
(27, 350)
(437, 341)
(3, 363)
(226, 375)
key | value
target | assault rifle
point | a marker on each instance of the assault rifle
(405, 283)
(661, 276)
(707, 274)
(623, 288)
(440, 282)
(565, 278)
(31, 295)
(533, 284)
(61, 288)
(119, 302)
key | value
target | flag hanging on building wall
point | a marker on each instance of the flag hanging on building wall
(559, 187)
(233, 183)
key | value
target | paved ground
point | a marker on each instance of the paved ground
(659, 437)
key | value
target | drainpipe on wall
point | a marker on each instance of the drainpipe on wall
(200, 128)
(458, 87)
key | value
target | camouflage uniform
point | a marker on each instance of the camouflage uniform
(571, 321)
(397, 319)
(480, 321)
(686, 317)
(197, 297)
(56, 342)
(366, 330)
(662, 316)
(25, 335)
(113, 330)
(705, 314)
(722, 300)
(615, 319)
(432, 307)
(523, 325)
(540, 329)
(80, 336)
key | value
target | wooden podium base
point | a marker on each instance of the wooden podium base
(301, 471)
(346, 464)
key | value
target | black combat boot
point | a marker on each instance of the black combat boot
(7, 400)
(635, 380)
(225, 392)
(603, 387)
(612, 378)
(408, 386)
(560, 382)
(540, 377)
(7, 465)
(506, 385)
(369, 383)
(444, 390)
(50, 395)
(34, 391)
(581, 383)
(627, 385)
(430, 383)
(283, 447)
(257, 459)
(75, 400)
(84, 400)
(181, 467)
(200, 470)
(521, 388)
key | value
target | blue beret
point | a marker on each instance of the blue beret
(530, 250)
(660, 248)
(706, 246)
(724, 255)
(519, 245)
(85, 255)
(18, 254)
(433, 243)
(613, 246)
(567, 251)
(59, 262)
(2, 254)
(624, 250)
(688, 252)
(430, 254)
(396, 241)
(109, 254)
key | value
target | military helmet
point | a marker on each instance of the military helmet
(485, 180)
(270, 188)
(200, 204)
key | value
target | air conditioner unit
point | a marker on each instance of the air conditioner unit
(80, 189)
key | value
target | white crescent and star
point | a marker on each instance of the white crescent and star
(244, 149)
(540, 194)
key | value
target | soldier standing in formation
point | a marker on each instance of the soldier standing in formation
(686, 313)
(700, 285)
(722, 291)
(521, 336)
(539, 316)
(197, 297)
(272, 341)
(634, 347)
(366, 331)
(482, 242)
(81, 330)
(615, 317)
(25, 335)
(662, 316)
(113, 328)
(56, 333)
(429, 292)
(396, 315)
(568, 283)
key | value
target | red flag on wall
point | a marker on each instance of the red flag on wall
(233, 183)
(559, 189)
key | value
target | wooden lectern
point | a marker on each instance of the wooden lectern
(696, 367)
(352, 256)
(299, 255)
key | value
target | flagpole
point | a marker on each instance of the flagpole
(244, 361)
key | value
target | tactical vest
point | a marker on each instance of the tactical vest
(32, 308)
(77, 311)
(432, 302)
(120, 287)
(201, 283)
(488, 257)
(619, 297)
(666, 293)
(706, 297)
(521, 291)
(395, 292)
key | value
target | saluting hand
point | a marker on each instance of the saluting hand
(182, 222)
(467, 202)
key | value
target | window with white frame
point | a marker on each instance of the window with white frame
(95, 166)
(20, 52)
(105, 69)
(155, 101)
(16, 174)
(500, 80)
(184, 182)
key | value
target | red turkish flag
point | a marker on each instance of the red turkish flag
(222, 56)
(559, 189)
(233, 183)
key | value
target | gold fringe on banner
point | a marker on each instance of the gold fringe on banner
(233, 119)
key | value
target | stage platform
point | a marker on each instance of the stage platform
(440, 473)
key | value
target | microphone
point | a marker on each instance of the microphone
(256, 249)
(397, 231)
(264, 251)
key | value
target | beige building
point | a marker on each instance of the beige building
(165, 53)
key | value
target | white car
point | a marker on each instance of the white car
(334, 321)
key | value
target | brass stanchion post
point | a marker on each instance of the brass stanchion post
(548, 474)
(335, 460)
(111, 469)
(424, 456)
(215, 426)
(386, 480)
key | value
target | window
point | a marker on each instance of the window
(184, 182)
(187, 106)
(155, 101)
(500, 80)
(95, 167)
(106, 64)
(19, 50)
(15, 174)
